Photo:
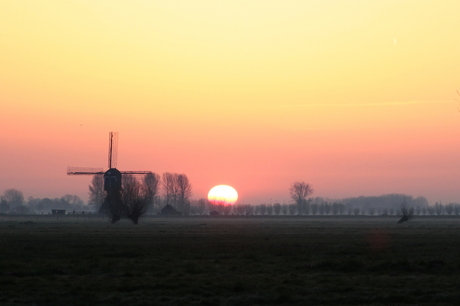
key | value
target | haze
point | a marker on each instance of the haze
(354, 97)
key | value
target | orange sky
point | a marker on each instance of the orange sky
(354, 97)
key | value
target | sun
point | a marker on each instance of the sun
(222, 195)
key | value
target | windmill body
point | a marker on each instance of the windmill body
(112, 179)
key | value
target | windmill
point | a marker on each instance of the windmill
(112, 179)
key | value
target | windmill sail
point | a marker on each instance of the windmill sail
(113, 149)
(84, 171)
(136, 172)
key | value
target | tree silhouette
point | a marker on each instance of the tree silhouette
(96, 192)
(184, 190)
(169, 189)
(135, 198)
(151, 184)
(177, 191)
(407, 213)
(299, 192)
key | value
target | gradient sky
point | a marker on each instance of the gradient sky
(354, 97)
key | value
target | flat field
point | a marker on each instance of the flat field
(229, 261)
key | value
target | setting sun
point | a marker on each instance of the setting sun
(223, 195)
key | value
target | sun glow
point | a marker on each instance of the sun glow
(222, 195)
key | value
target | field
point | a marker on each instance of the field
(229, 261)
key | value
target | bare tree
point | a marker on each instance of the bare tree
(284, 209)
(239, 209)
(321, 209)
(177, 191)
(449, 208)
(151, 183)
(169, 188)
(269, 210)
(438, 208)
(327, 208)
(113, 206)
(4, 206)
(456, 209)
(13, 197)
(299, 192)
(96, 192)
(277, 208)
(248, 209)
(407, 213)
(184, 190)
(292, 209)
(335, 208)
(371, 211)
(199, 206)
(135, 198)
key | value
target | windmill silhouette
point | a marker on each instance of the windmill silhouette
(112, 180)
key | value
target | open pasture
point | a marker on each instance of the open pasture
(229, 261)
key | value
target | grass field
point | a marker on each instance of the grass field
(229, 261)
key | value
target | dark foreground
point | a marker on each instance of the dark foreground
(229, 261)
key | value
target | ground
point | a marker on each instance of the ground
(46, 260)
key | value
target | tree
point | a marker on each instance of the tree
(292, 209)
(96, 192)
(151, 183)
(262, 209)
(456, 209)
(341, 208)
(327, 208)
(439, 208)
(248, 209)
(277, 208)
(14, 198)
(4, 206)
(184, 190)
(72, 202)
(407, 213)
(335, 208)
(299, 192)
(177, 191)
(269, 210)
(284, 209)
(321, 209)
(113, 206)
(135, 198)
(169, 189)
(391, 211)
(239, 209)
(314, 208)
(199, 206)
(449, 208)
(371, 211)
(45, 205)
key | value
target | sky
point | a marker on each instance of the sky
(357, 98)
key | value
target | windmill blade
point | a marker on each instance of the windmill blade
(136, 172)
(84, 171)
(113, 149)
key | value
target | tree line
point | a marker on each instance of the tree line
(148, 194)
(12, 202)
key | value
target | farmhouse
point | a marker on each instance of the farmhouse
(58, 211)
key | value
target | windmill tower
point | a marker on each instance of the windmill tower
(112, 179)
